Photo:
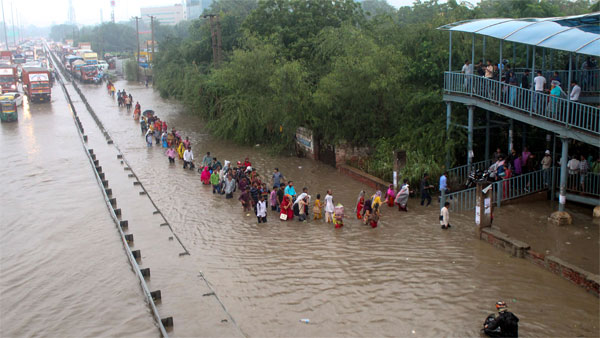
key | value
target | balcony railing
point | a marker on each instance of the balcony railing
(571, 114)
(588, 80)
(518, 186)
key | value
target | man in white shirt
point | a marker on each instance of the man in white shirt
(445, 216)
(538, 82)
(188, 158)
(467, 69)
(575, 91)
(261, 210)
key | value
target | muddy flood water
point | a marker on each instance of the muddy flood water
(63, 269)
(406, 278)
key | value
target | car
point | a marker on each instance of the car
(13, 96)
(102, 65)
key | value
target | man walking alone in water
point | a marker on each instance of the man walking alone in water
(445, 216)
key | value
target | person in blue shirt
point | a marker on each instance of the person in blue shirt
(289, 190)
(444, 184)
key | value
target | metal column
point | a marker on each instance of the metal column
(527, 59)
(543, 59)
(510, 135)
(470, 137)
(484, 49)
(448, 121)
(500, 68)
(553, 177)
(532, 85)
(569, 88)
(450, 53)
(524, 136)
(487, 134)
(562, 198)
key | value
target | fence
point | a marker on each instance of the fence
(587, 184)
(571, 114)
(588, 80)
(504, 190)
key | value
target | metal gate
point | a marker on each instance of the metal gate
(327, 153)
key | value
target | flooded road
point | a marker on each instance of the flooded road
(63, 270)
(405, 278)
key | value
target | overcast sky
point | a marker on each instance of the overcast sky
(48, 12)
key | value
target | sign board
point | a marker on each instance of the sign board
(85, 45)
(6, 71)
(304, 138)
(38, 77)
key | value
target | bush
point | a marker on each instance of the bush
(131, 69)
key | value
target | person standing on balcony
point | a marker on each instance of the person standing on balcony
(512, 89)
(584, 167)
(539, 82)
(573, 166)
(546, 166)
(467, 69)
(489, 75)
(555, 93)
(575, 91)
(525, 84)
(480, 68)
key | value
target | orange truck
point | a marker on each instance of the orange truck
(36, 84)
(8, 78)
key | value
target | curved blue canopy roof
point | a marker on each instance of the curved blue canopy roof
(579, 34)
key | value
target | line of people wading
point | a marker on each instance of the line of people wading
(254, 193)
(226, 179)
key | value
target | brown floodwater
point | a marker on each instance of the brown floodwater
(63, 269)
(405, 278)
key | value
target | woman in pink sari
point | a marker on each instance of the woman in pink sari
(205, 176)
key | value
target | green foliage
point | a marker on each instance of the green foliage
(131, 69)
(365, 74)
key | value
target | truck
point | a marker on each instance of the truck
(8, 78)
(87, 73)
(36, 84)
(6, 57)
(90, 58)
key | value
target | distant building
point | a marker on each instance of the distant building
(194, 8)
(166, 15)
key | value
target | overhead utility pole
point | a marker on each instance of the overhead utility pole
(4, 23)
(12, 14)
(137, 58)
(152, 37)
(215, 34)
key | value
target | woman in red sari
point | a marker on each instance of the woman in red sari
(360, 203)
(506, 183)
(286, 207)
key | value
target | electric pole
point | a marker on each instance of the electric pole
(137, 58)
(215, 34)
(4, 23)
(152, 37)
(219, 49)
(12, 14)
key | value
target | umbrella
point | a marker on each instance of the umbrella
(148, 113)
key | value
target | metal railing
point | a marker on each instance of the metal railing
(571, 114)
(519, 186)
(461, 200)
(586, 184)
(588, 80)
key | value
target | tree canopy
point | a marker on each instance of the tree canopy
(360, 73)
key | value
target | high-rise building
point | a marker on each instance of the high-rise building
(195, 8)
(166, 15)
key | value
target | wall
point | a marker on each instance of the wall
(585, 279)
